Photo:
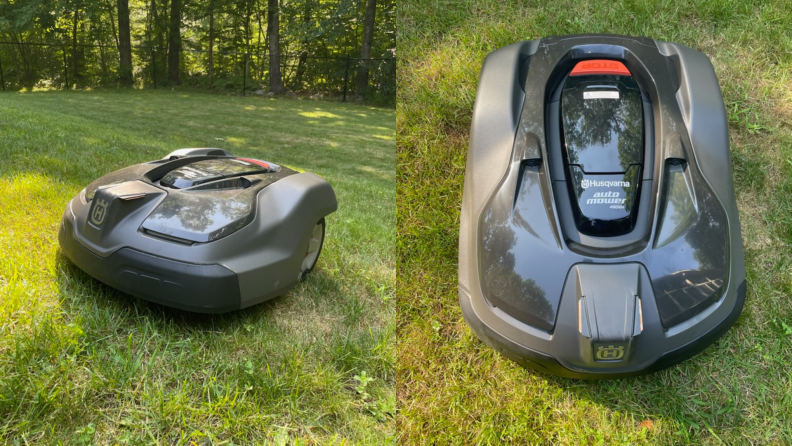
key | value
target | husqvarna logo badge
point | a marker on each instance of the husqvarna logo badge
(610, 352)
(99, 212)
(586, 183)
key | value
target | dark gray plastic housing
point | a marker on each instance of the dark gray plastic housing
(219, 245)
(524, 276)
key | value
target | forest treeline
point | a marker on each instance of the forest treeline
(328, 47)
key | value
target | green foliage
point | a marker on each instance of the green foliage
(20, 16)
(233, 83)
(85, 435)
(380, 408)
(316, 37)
(363, 381)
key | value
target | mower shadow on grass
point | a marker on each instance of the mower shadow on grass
(684, 394)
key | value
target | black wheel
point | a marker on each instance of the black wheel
(314, 249)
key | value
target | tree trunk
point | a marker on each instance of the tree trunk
(104, 63)
(211, 41)
(150, 39)
(301, 64)
(80, 46)
(149, 27)
(164, 28)
(25, 63)
(174, 42)
(273, 33)
(74, 45)
(365, 48)
(235, 39)
(258, 69)
(157, 28)
(112, 23)
(248, 14)
(125, 44)
(265, 62)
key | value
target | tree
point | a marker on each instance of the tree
(159, 43)
(112, 23)
(211, 40)
(300, 46)
(365, 48)
(304, 53)
(124, 44)
(75, 62)
(273, 34)
(174, 42)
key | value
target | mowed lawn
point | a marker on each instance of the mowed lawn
(82, 363)
(454, 389)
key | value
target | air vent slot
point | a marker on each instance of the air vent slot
(169, 238)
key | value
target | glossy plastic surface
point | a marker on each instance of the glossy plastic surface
(202, 214)
(523, 266)
(257, 227)
(205, 198)
(205, 171)
(602, 123)
(605, 204)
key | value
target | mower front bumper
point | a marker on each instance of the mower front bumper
(187, 286)
(530, 356)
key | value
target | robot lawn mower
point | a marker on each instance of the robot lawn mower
(599, 231)
(200, 230)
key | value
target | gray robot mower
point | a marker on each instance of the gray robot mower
(200, 230)
(599, 233)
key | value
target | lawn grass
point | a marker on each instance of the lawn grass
(454, 389)
(82, 363)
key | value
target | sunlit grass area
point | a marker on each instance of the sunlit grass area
(82, 363)
(454, 389)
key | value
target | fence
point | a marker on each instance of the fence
(62, 65)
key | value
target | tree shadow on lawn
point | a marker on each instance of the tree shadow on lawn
(84, 298)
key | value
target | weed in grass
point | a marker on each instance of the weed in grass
(454, 389)
(83, 363)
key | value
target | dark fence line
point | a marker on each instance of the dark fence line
(191, 50)
(325, 75)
